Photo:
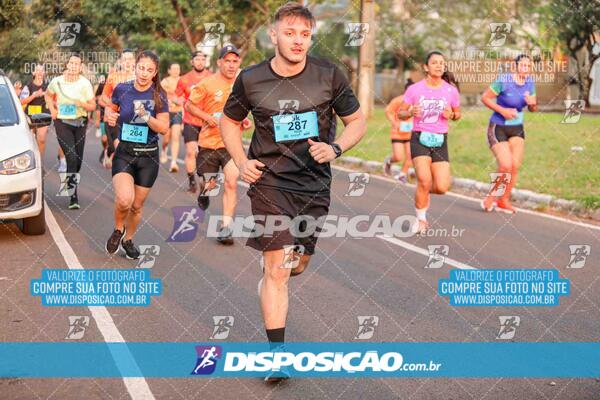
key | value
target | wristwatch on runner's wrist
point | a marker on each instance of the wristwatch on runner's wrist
(337, 149)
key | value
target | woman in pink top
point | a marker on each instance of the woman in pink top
(432, 102)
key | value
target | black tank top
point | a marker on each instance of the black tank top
(38, 101)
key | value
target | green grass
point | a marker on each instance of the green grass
(549, 165)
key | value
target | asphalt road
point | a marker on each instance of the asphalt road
(347, 278)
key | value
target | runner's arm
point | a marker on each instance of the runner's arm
(355, 126)
(196, 111)
(49, 97)
(160, 123)
(28, 99)
(488, 98)
(232, 138)
(89, 105)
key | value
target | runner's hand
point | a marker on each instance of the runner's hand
(212, 121)
(321, 152)
(250, 172)
(509, 113)
(530, 100)
(39, 93)
(111, 116)
(417, 111)
(246, 123)
(396, 126)
(53, 113)
(447, 112)
(140, 110)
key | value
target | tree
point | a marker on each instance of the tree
(577, 24)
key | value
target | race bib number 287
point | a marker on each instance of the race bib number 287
(295, 126)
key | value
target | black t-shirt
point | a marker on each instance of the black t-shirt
(38, 101)
(320, 88)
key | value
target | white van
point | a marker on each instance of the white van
(21, 186)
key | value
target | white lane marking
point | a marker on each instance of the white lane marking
(411, 247)
(137, 387)
(478, 200)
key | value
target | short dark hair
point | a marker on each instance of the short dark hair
(293, 9)
(520, 57)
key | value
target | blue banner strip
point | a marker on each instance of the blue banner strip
(180, 360)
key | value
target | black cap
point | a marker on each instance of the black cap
(195, 53)
(229, 48)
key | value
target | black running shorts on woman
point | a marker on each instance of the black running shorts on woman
(501, 133)
(437, 154)
(139, 161)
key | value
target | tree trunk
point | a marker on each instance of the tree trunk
(366, 70)
(184, 25)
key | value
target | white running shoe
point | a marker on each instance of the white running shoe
(62, 165)
(163, 156)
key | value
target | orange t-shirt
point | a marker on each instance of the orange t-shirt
(170, 86)
(210, 96)
(394, 107)
(113, 79)
(184, 87)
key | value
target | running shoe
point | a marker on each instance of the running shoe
(203, 202)
(225, 236)
(488, 204)
(275, 377)
(402, 178)
(421, 227)
(505, 206)
(131, 252)
(101, 158)
(163, 156)
(112, 245)
(62, 165)
(105, 159)
(74, 202)
(387, 166)
(193, 188)
(174, 167)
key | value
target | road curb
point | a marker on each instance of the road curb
(525, 198)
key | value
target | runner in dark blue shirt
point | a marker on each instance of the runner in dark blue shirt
(140, 111)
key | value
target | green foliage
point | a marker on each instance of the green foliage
(11, 13)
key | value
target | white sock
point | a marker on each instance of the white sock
(421, 214)
(227, 220)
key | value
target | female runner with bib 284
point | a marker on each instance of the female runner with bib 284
(140, 110)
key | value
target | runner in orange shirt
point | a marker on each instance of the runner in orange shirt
(169, 84)
(400, 134)
(191, 124)
(207, 101)
(124, 72)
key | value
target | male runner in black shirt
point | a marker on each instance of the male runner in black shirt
(292, 97)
